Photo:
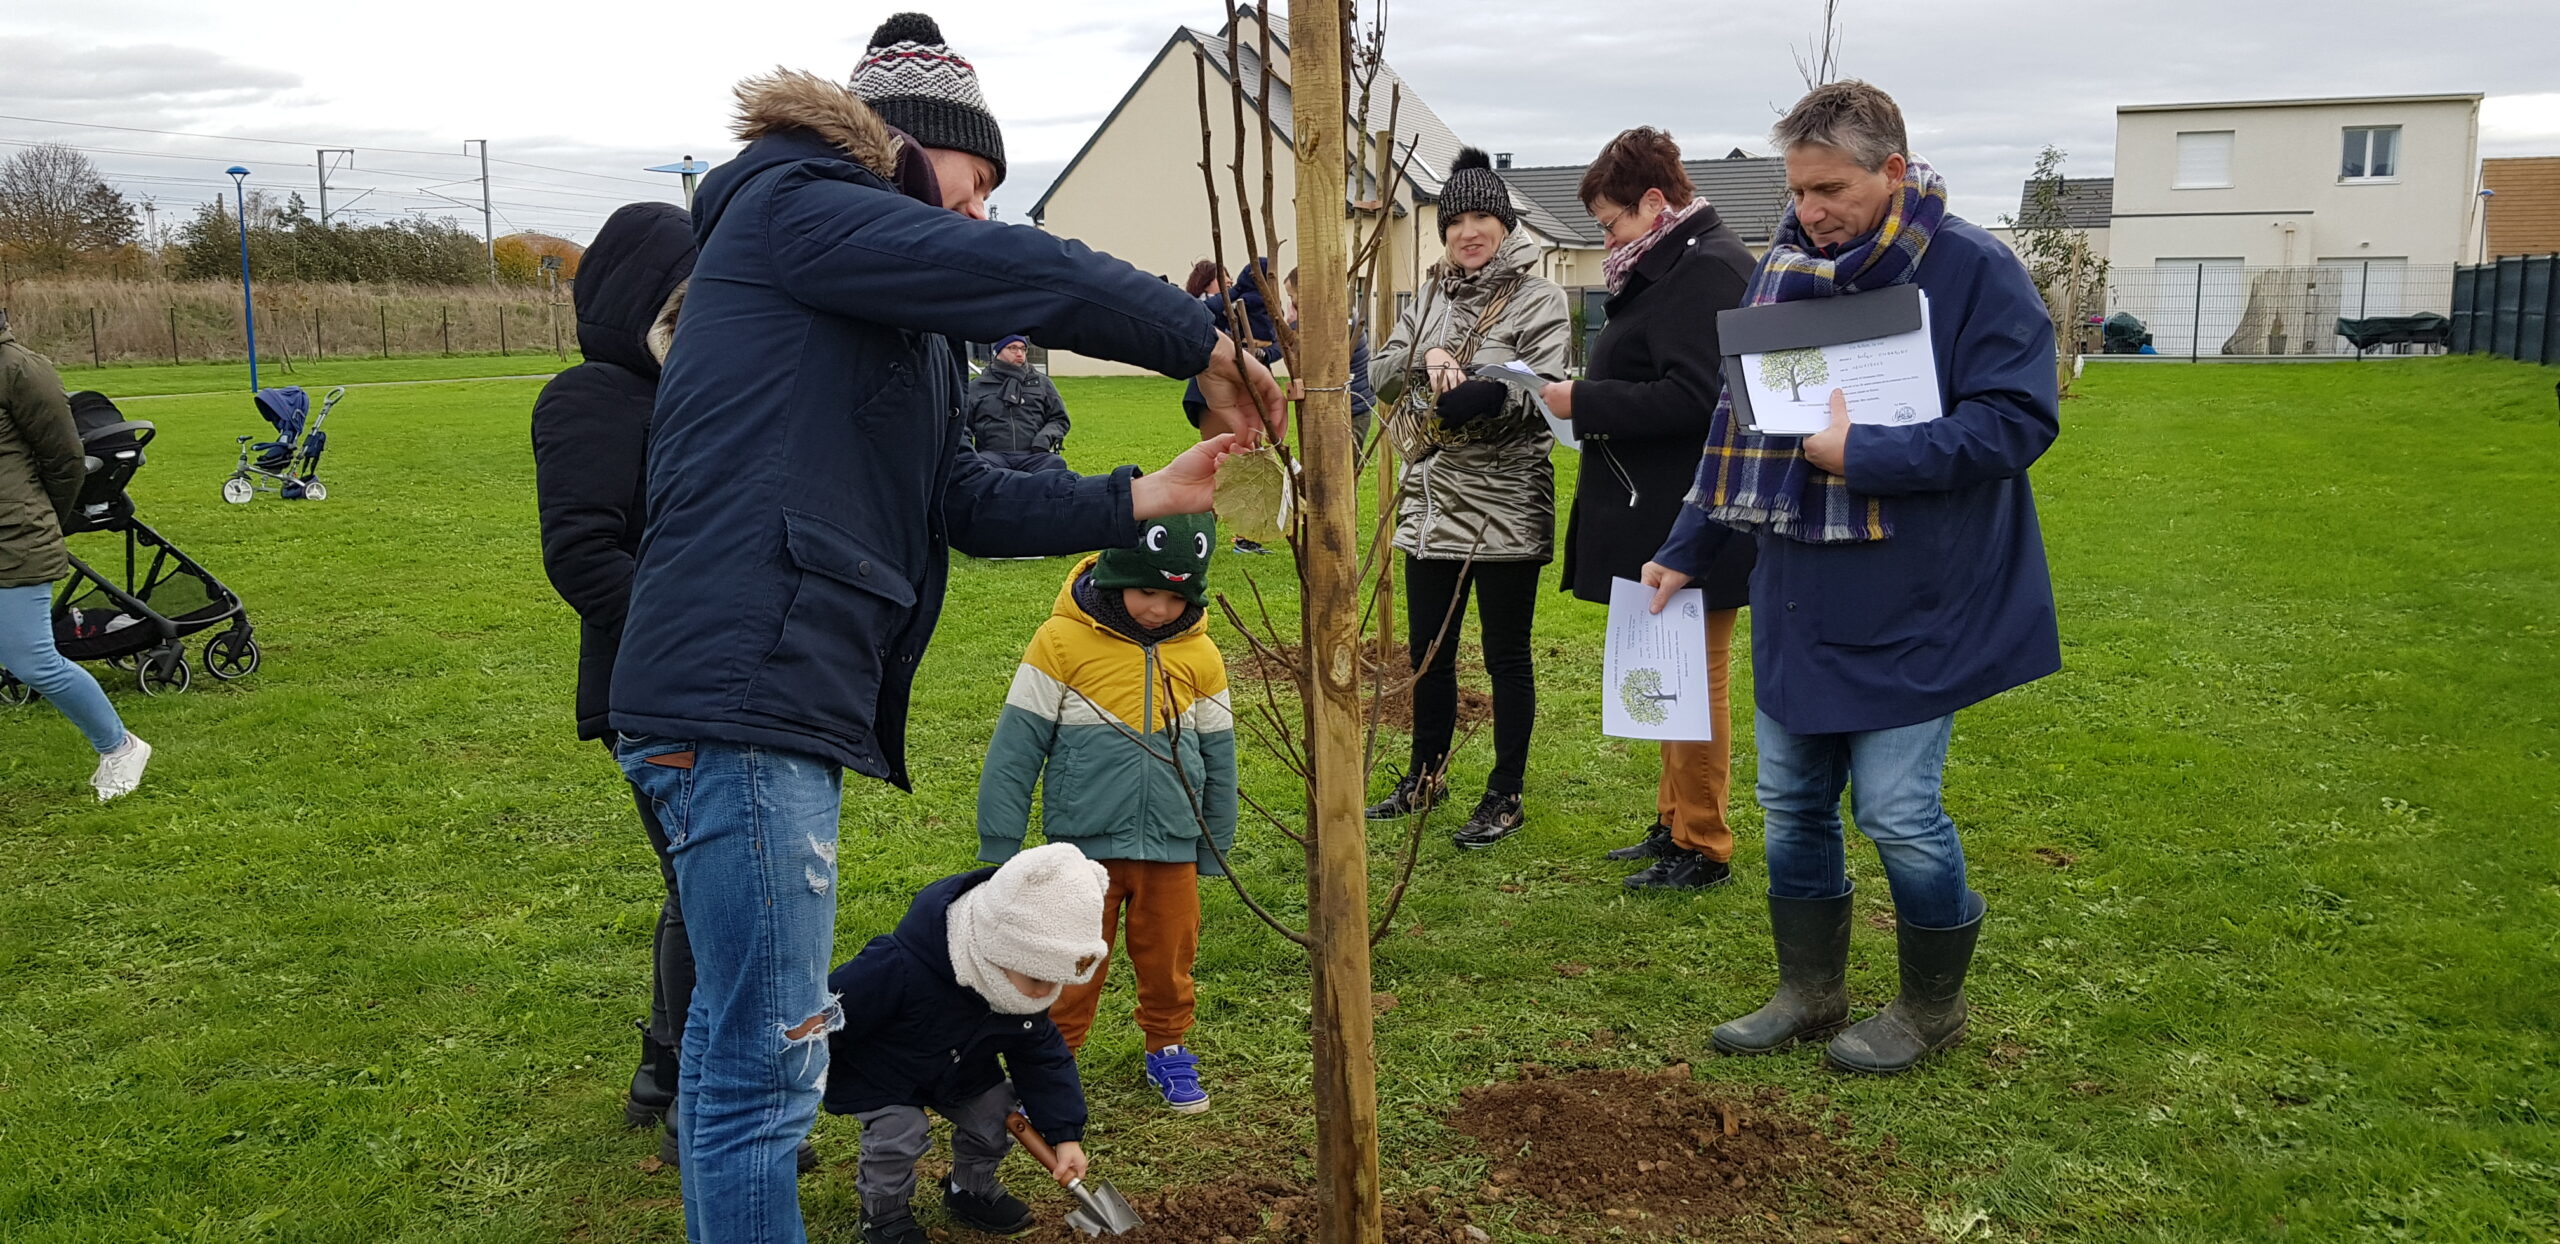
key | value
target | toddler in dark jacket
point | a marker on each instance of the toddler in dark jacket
(951, 1013)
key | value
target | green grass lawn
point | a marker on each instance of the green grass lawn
(315, 375)
(2272, 868)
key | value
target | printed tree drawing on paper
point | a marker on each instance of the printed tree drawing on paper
(1794, 369)
(1641, 689)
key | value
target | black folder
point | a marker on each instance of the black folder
(1831, 321)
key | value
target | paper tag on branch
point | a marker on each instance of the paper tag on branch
(1256, 497)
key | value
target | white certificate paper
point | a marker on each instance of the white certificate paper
(1519, 376)
(1654, 673)
(1887, 380)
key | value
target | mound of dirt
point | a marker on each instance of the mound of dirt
(1593, 1156)
(1662, 1153)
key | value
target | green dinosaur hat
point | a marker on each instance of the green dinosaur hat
(1172, 555)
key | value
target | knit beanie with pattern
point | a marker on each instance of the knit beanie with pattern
(1040, 915)
(917, 83)
(1473, 186)
(1172, 555)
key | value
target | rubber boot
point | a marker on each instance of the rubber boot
(1813, 967)
(653, 1086)
(1929, 1015)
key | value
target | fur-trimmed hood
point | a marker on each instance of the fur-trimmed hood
(793, 99)
(791, 117)
(662, 332)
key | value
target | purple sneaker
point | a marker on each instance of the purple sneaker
(1175, 1072)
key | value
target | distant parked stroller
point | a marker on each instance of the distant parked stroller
(136, 621)
(289, 465)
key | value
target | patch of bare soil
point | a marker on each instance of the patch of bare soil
(1592, 1156)
(1388, 666)
(1264, 1211)
(1664, 1154)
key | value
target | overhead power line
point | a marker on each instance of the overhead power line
(532, 211)
(288, 142)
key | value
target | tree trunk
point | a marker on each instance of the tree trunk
(1345, 1049)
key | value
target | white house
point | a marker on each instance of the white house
(2260, 222)
(1135, 189)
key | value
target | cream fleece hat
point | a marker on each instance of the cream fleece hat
(1040, 915)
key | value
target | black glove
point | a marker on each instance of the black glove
(1476, 399)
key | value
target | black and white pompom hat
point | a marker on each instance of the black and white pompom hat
(917, 83)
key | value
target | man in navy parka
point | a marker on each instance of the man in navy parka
(1865, 642)
(807, 483)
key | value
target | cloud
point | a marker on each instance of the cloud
(2520, 124)
(56, 78)
(1984, 84)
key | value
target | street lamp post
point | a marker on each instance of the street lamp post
(248, 310)
(688, 168)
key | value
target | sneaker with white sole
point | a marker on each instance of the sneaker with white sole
(120, 770)
(1175, 1072)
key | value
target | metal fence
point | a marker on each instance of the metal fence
(2511, 307)
(2196, 308)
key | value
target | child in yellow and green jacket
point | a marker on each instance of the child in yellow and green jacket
(1121, 680)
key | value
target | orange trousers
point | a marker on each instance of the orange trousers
(1697, 777)
(1162, 905)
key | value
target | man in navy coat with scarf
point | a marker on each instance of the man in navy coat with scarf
(807, 483)
(1901, 577)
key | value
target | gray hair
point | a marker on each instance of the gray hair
(1848, 116)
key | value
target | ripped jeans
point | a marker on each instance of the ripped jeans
(752, 833)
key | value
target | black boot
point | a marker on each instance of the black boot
(886, 1223)
(1683, 869)
(1414, 793)
(1813, 967)
(1497, 816)
(653, 1086)
(1929, 1015)
(1656, 844)
(1001, 1214)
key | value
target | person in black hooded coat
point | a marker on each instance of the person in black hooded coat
(591, 469)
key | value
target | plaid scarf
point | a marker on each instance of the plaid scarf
(1757, 483)
(1621, 260)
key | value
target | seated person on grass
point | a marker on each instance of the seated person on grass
(1119, 681)
(955, 1018)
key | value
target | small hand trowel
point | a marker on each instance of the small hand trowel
(1100, 1209)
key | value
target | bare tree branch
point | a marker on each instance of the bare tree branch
(1413, 843)
(1172, 756)
(1820, 64)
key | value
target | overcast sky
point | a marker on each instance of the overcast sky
(588, 93)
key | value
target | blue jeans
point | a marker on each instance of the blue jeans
(27, 651)
(1893, 779)
(752, 833)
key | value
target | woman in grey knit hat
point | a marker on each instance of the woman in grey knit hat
(1478, 505)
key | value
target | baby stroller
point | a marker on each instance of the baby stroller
(277, 468)
(136, 622)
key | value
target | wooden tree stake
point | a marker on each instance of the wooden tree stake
(1346, 1072)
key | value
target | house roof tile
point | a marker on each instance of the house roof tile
(2086, 202)
(1750, 192)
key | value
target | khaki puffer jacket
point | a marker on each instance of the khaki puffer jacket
(40, 466)
(1494, 500)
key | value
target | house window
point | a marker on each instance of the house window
(2372, 154)
(2204, 159)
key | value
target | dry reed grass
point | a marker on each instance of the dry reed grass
(85, 320)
